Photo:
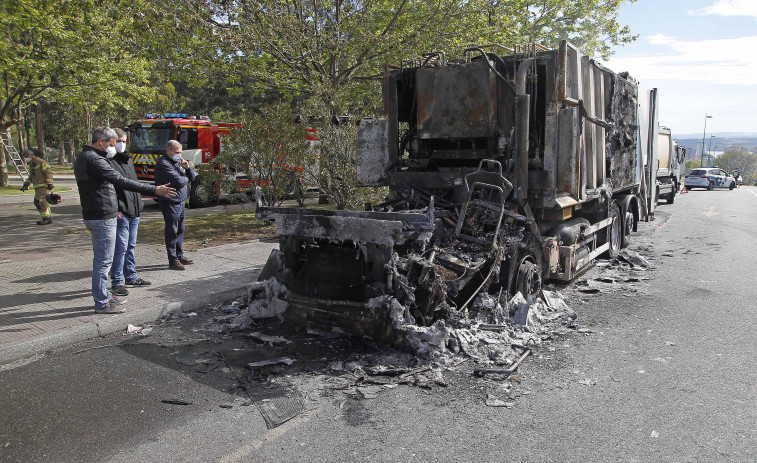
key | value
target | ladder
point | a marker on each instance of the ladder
(10, 152)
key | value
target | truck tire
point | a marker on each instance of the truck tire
(627, 227)
(671, 196)
(613, 233)
(732, 186)
(521, 270)
(201, 195)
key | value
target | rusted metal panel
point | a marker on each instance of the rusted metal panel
(457, 101)
(599, 131)
(568, 166)
(589, 147)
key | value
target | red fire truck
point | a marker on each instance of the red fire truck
(199, 137)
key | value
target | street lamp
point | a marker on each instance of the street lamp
(706, 116)
(709, 150)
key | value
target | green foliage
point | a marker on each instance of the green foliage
(590, 24)
(693, 164)
(69, 51)
(269, 150)
(742, 161)
(337, 172)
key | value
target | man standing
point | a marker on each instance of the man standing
(95, 179)
(174, 171)
(130, 205)
(41, 179)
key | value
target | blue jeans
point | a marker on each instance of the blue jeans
(124, 265)
(103, 246)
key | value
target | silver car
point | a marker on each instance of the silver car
(709, 178)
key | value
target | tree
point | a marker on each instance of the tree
(742, 161)
(91, 56)
(692, 164)
(330, 49)
(590, 24)
(269, 150)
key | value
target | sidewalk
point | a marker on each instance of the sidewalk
(45, 287)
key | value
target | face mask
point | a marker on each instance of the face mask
(176, 157)
(28, 160)
(120, 147)
(111, 151)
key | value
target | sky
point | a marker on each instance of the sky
(701, 55)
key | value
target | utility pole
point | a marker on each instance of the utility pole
(706, 116)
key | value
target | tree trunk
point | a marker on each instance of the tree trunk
(62, 155)
(40, 130)
(28, 134)
(72, 144)
(20, 130)
(3, 169)
(89, 125)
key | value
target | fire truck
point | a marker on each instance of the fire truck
(200, 140)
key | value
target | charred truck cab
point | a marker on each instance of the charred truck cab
(199, 138)
(504, 171)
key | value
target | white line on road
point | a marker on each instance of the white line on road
(270, 436)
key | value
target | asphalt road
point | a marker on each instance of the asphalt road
(663, 371)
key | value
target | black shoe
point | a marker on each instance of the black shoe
(45, 221)
(176, 265)
(119, 290)
(138, 282)
(186, 261)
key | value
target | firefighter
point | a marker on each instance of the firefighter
(41, 179)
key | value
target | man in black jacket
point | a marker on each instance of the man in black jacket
(99, 207)
(173, 170)
(130, 205)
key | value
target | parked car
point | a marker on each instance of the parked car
(709, 178)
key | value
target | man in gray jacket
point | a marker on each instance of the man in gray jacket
(99, 207)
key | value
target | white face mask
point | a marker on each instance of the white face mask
(120, 147)
(110, 152)
(176, 157)
(28, 160)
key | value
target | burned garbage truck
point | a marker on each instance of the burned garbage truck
(504, 171)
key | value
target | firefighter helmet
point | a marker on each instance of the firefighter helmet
(53, 198)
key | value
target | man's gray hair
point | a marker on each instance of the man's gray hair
(172, 144)
(25, 152)
(103, 133)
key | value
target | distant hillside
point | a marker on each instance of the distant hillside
(718, 135)
(719, 143)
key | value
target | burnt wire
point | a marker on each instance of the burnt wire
(486, 60)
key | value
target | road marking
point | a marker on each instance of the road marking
(751, 191)
(711, 212)
(268, 437)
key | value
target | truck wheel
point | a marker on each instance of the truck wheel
(613, 232)
(671, 196)
(528, 279)
(521, 270)
(732, 186)
(200, 194)
(625, 240)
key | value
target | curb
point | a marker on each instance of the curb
(14, 351)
